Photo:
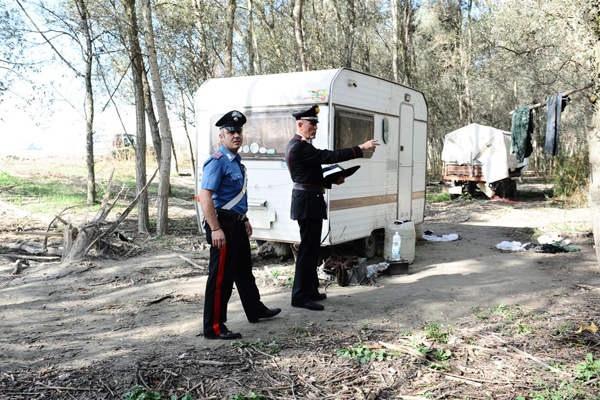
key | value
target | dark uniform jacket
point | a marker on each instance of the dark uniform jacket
(304, 163)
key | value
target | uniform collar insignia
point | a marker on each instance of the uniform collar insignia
(224, 151)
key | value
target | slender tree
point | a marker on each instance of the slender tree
(137, 67)
(166, 139)
(299, 35)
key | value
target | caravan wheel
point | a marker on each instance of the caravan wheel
(367, 247)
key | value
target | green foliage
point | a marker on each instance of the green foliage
(524, 329)
(564, 391)
(41, 195)
(415, 344)
(508, 313)
(571, 174)
(299, 331)
(138, 393)
(441, 354)
(289, 282)
(363, 354)
(271, 348)
(437, 197)
(563, 328)
(438, 332)
(588, 369)
(250, 396)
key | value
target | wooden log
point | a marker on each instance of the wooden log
(32, 249)
(29, 257)
(38, 233)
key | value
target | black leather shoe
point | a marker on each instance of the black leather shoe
(270, 313)
(310, 305)
(319, 296)
(227, 335)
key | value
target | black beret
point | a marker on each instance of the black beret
(232, 121)
(310, 115)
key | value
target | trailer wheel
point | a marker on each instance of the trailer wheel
(367, 247)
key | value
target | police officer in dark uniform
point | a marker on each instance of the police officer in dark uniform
(224, 204)
(308, 205)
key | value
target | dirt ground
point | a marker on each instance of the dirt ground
(95, 329)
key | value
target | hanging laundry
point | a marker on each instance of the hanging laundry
(555, 104)
(521, 132)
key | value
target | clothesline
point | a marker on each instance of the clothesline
(565, 94)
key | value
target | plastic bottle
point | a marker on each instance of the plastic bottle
(396, 246)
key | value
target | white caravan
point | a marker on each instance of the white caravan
(479, 155)
(354, 107)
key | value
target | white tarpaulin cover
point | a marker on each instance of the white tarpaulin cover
(484, 144)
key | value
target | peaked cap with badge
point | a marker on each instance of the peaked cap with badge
(310, 115)
(233, 121)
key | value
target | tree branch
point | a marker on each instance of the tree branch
(79, 74)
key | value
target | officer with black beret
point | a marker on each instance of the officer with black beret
(308, 205)
(224, 204)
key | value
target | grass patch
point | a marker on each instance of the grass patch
(438, 332)
(363, 354)
(299, 331)
(138, 393)
(41, 195)
(438, 197)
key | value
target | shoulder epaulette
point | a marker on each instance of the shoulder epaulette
(217, 155)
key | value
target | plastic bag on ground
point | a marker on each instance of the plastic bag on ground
(445, 238)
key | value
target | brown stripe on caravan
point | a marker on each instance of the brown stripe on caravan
(418, 195)
(344, 204)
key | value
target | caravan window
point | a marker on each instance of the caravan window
(353, 128)
(266, 133)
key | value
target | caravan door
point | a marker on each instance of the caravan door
(405, 161)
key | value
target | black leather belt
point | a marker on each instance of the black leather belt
(309, 188)
(232, 215)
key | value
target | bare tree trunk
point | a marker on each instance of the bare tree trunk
(395, 40)
(250, 42)
(164, 183)
(350, 28)
(152, 122)
(299, 35)
(407, 59)
(174, 160)
(89, 102)
(594, 155)
(138, 88)
(466, 49)
(202, 47)
(230, 12)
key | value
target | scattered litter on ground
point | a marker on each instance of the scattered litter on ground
(445, 238)
(552, 237)
(375, 269)
(538, 248)
(511, 246)
(551, 243)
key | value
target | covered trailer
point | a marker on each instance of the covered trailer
(479, 156)
(354, 107)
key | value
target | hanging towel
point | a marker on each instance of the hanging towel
(556, 105)
(521, 132)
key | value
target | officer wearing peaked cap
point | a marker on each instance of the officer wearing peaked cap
(224, 204)
(308, 205)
